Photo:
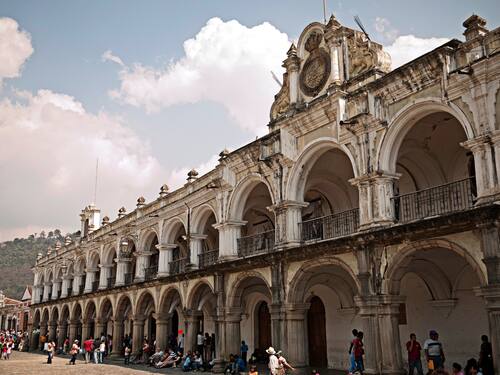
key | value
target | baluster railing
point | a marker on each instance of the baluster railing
(177, 266)
(95, 285)
(437, 200)
(111, 282)
(207, 258)
(256, 243)
(331, 226)
(129, 278)
(151, 272)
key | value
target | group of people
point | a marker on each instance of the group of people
(11, 340)
(435, 357)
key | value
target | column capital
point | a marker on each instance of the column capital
(229, 223)
(374, 176)
(478, 142)
(379, 304)
(296, 311)
(198, 236)
(166, 246)
(286, 204)
(101, 266)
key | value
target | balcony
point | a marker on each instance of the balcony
(434, 201)
(207, 258)
(95, 285)
(59, 294)
(128, 278)
(110, 282)
(177, 266)
(81, 288)
(151, 272)
(70, 291)
(331, 226)
(256, 244)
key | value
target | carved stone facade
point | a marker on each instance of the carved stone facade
(372, 204)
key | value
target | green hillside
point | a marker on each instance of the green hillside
(19, 255)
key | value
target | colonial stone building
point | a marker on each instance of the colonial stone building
(14, 314)
(372, 204)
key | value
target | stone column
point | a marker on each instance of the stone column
(46, 291)
(229, 232)
(380, 314)
(295, 315)
(137, 334)
(121, 270)
(491, 296)
(192, 328)
(61, 335)
(233, 335)
(86, 331)
(288, 218)
(196, 249)
(43, 332)
(276, 307)
(105, 275)
(495, 139)
(141, 265)
(484, 162)
(76, 284)
(65, 285)
(55, 289)
(52, 330)
(73, 326)
(165, 257)
(162, 332)
(375, 193)
(220, 328)
(117, 337)
(99, 326)
(89, 280)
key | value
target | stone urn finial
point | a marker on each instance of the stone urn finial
(163, 190)
(58, 245)
(192, 175)
(141, 201)
(122, 212)
(67, 240)
(105, 220)
(224, 154)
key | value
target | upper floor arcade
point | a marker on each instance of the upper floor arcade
(361, 150)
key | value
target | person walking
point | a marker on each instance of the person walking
(102, 351)
(74, 352)
(352, 362)
(486, 356)
(273, 361)
(244, 351)
(283, 364)
(414, 362)
(88, 346)
(50, 352)
(434, 351)
(359, 351)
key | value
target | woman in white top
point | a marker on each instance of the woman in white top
(273, 361)
(102, 350)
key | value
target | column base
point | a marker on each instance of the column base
(162, 274)
(219, 366)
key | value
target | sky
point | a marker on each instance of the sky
(154, 88)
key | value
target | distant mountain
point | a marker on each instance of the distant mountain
(18, 256)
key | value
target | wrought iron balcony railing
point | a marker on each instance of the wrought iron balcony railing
(95, 285)
(434, 201)
(177, 266)
(151, 272)
(111, 282)
(207, 258)
(70, 291)
(256, 244)
(331, 226)
(128, 278)
(81, 288)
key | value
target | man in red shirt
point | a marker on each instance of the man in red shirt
(88, 346)
(413, 347)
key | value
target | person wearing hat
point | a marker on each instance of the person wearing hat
(74, 352)
(434, 351)
(273, 361)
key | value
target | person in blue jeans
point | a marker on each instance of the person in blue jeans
(188, 363)
(434, 350)
(352, 361)
(244, 351)
(239, 365)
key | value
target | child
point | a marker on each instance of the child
(253, 370)
(127, 355)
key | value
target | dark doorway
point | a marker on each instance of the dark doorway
(316, 329)
(175, 323)
(263, 326)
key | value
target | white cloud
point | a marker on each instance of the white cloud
(408, 47)
(108, 56)
(225, 62)
(178, 176)
(384, 27)
(49, 148)
(15, 48)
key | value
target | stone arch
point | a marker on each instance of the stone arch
(144, 298)
(105, 309)
(170, 299)
(65, 312)
(170, 229)
(37, 318)
(90, 312)
(199, 295)
(405, 119)
(241, 192)
(93, 260)
(80, 265)
(330, 272)
(54, 314)
(70, 269)
(398, 266)
(147, 236)
(77, 311)
(124, 307)
(109, 255)
(45, 315)
(247, 282)
(296, 183)
(200, 216)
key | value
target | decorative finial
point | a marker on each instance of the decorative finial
(122, 212)
(292, 51)
(163, 190)
(192, 175)
(333, 23)
(39, 256)
(224, 154)
(58, 245)
(474, 26)
(49, 250)
(67, 240)
(141, 201)
(105, 220)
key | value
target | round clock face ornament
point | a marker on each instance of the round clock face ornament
(316, 69)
